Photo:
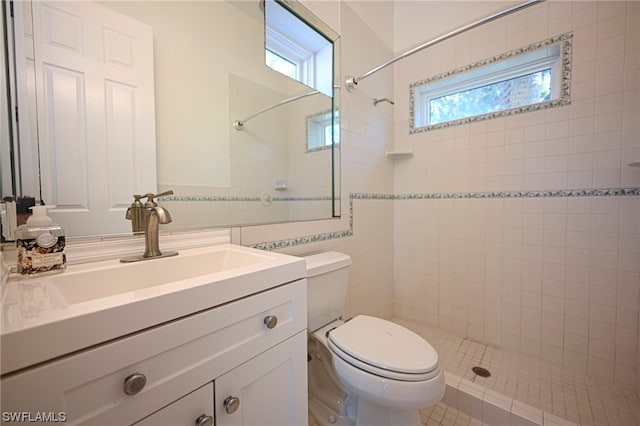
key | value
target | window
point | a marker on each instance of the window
(519, 91)
(282, 65)
(287, 50)
(321, 133)
(526, 79)
(296, 49)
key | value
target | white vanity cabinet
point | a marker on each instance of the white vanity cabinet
(195, 409)
(260, 391)
(185, 371)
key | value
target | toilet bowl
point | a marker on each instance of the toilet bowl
(367, 370)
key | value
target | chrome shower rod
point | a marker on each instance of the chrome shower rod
(353, 81)
(239, 124)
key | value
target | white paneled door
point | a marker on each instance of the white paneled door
(95, 113)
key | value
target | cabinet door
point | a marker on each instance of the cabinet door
(195, 408)
(268, 390)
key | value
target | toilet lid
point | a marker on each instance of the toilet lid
(385, 345)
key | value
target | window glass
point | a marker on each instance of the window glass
(321, 133)
(280, 64)
(515, 92)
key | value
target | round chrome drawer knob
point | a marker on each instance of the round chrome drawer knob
(231, 404)
(134, 383)
(204, 420)
(270, 321)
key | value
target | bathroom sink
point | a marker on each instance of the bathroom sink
(95, 283)
(105, 300)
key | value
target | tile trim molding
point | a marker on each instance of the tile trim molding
(562, 193)
(555, 193)
(308, 239)
(241, 198)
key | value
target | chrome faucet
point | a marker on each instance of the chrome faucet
(154, 216)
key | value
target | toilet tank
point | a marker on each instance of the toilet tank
(327, 282)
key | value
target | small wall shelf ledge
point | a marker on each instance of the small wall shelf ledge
(398, 155)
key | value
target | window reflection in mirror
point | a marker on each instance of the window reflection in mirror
(295, 49)
(321, 133)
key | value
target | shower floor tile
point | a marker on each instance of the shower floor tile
(565, 394)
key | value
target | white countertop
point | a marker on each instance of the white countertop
(39, 323)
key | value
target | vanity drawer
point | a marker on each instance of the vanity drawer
(173, 359)
(192, 409)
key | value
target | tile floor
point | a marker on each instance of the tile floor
(438, 415)
(445, 415)
(567, 395)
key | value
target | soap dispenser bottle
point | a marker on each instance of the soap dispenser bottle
(40, 244)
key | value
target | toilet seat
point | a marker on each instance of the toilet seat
(385, 349)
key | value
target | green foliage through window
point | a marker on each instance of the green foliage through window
(524, 90)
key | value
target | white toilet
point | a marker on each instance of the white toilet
(364, 371)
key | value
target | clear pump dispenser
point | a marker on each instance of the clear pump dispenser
(40, 244)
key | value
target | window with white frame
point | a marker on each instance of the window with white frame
(322, 132)
(289, 57)
(526, 79)
(296, 49)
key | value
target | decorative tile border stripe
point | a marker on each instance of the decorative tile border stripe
(562, 193)
(601, 192)
(371, 196)
(307, 239)
(234, 198)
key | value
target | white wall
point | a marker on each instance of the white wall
(556, 278)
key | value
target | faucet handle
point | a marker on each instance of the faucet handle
(149, 196)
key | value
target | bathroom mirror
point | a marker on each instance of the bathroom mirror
(171, 126)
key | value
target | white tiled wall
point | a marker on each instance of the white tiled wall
(556, 278)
